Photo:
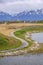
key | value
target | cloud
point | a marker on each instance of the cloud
(16, 6)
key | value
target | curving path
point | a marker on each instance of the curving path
(24, 43)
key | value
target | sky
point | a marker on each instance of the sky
(16, 6)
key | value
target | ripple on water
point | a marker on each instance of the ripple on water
(22, 60)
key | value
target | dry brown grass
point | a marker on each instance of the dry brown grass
(6, 29)
(16, 25)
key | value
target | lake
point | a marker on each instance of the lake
(38, 37)
(22, 60)
(27, 59)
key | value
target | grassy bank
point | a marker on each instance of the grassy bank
(8, 42)
(21, 33)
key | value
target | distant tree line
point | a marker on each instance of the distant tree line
(8, 22)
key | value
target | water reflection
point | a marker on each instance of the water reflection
(22, 60)
(38, 37)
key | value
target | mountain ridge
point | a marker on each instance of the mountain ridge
(23, 16)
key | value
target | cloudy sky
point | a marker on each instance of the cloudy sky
(16, 6)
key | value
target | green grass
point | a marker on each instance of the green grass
(21, 33)
(8, 42)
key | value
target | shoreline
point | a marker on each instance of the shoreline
(21, 52)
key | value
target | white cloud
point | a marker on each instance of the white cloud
(16, 6)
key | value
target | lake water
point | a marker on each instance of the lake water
(27, 59)
(22, 60)
(37, 37)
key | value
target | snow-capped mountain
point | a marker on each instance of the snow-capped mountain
(30, 15)
(25, 15)
(5, 16)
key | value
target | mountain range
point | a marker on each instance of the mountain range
(23, 16)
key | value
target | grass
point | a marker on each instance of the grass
(21, 33)
(8, 42)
